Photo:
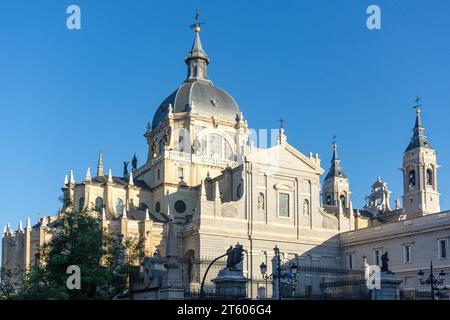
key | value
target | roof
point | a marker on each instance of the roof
(335, 169)
(418, 140)
(206, 99)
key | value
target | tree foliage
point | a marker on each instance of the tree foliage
(106, 262)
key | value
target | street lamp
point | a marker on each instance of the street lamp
(433, 281)
(279, 274)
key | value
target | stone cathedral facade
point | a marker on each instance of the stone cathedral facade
(220, 189)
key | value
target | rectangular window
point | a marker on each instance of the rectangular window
(407, 253)
(159, 174)
(350, 261)
(443, 248)
(180, 173)
(376, 256)
(283, 206)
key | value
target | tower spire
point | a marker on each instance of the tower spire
(418, 140)
(335, 169)
(197, 59)
(100, 172)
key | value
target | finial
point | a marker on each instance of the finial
(334, 142)
(28, 226)
(103, 214)
(72, 179)
(8, 228)
(100, 164)
(147, 214)
(281, 123)
(66, 180)
(110, 177)
(196, 25)
(20, 226)
(130, 180)
(88, 175)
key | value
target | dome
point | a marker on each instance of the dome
(197, 94)
(206, 98)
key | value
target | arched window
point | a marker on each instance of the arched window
(158, 207)
(119, 207)
(343, 201)
(81, 203)
(430, 177)
(215, 145)
(412, 178)
(99, 203)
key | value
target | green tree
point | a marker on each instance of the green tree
(105, 263)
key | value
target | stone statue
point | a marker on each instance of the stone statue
(305, 208)
(197, 146)
(260, 201)
(230, 257)
(134, 162)
(366, 268)
(125, 168)
(166, 136)
(397, 204)
(384, 263)
(154, 149)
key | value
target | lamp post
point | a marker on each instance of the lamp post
(432, 280)
(279, 275)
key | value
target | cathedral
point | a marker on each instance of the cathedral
(203, 173)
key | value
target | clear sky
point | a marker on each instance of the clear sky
(66, 94)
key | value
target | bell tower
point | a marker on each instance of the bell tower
(336, 189)
(420, 193)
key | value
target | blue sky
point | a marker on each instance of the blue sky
(66, 94)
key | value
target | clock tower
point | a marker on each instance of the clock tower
(420, 193)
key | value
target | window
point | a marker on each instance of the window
(158, 207)
(283, 205)
(180, 173)
(443, 248)
(407, 253)
(429, 177)
(342, 198)
(159, 174)
(81, 203)
(350, 261)
(377, 257)
(412, 179)
(119, 207)
(99, 203)
(180, 206)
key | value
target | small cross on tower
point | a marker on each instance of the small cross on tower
(418, 104)
(196, 25)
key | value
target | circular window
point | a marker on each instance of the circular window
(180, 206)
(157, 207)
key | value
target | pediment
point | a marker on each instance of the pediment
(285, 156)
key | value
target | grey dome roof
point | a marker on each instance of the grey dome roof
(198, 90)
(207, 99)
